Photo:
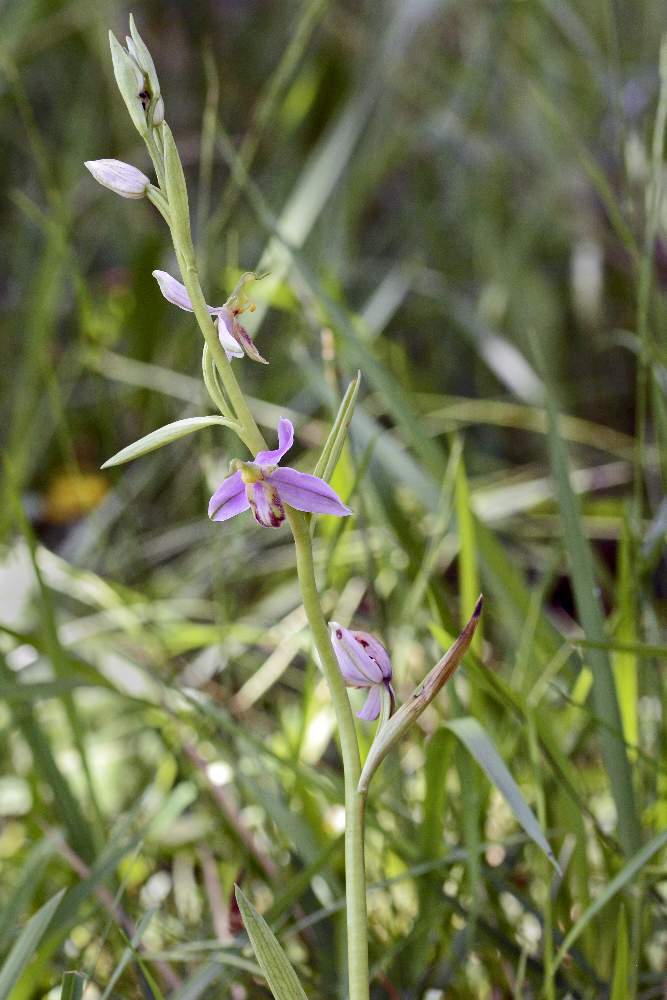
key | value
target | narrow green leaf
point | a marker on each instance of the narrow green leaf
(72, 986)
(584, 583)
(20, 899)
(177, 193)
(280, 975)
(26, 945)
(625, 663)
(480, 747)
(162, 436)
(619, 983)
(198, 983)
(626, 875)
(333, 445)
(65, 803)
(469, 586)
(128, 953)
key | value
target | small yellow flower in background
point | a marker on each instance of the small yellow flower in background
(71, 495)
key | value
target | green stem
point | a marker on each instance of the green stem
(156, 156)
(355, 874)
(249, 431)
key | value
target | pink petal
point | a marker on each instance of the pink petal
(376, 651)
(356, 666)
(265, 504)
(232, 349)
(229, 499)
(173, 290)
(306, 492)
(285, 442)
(372, 705)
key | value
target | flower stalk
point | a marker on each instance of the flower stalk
(274, 493)
(355, 873)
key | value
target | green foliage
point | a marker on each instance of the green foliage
(275, 964)
(426, 184)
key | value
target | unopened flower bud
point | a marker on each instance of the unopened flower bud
(137, 80)
(130, 80)
(158, 111)
(122, 178)
(364, 663)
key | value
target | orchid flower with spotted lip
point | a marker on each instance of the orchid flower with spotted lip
(364, 663)
(233, 336)
(264, 487)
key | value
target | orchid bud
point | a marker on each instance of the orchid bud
(364, 663)
(130, 80)
(122, 178)
(137, 80)
(139, 50)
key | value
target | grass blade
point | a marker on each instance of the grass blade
(26, 945)
(280, 975)
(619, 983)
(480, 747)
(626, 874)
(72, 986)
(605, 703)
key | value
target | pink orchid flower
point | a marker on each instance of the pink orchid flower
(232, 334)
(364, 663)
(265, 487)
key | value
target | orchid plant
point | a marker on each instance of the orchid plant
(275, 494)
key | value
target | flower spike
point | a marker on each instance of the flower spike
(264, 487)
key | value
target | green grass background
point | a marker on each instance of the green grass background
(464, 201)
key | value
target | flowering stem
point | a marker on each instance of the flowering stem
(355, 874)
(248, 431)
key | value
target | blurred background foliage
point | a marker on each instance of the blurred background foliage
(467, 203)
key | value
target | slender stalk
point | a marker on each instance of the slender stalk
(355, 874)
(249, 431)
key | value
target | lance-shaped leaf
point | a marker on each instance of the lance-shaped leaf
(177, 192)
(164, 435)
(337, 436)
(482, 750)
(280, 975)
(395, 728)
(26, 944)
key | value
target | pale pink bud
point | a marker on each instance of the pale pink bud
(122, 178)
